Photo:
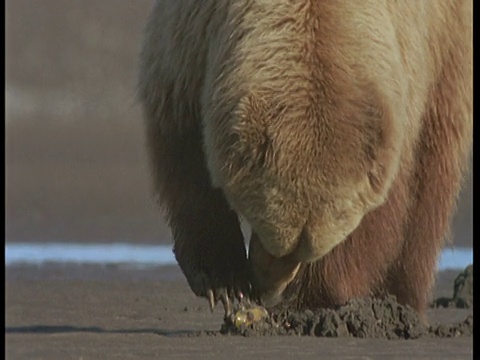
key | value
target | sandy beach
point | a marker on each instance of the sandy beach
(93, 312)
(76, 171)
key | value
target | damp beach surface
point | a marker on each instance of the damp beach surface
(68, 311)
(109, 301)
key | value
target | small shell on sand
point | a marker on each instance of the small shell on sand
(246, 316)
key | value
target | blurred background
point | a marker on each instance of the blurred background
(76, 166)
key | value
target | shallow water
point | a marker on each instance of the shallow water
(147, 255)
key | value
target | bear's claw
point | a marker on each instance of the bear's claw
(211, 299)
(227, 304)
(223, 296)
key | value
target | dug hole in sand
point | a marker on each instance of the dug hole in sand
(364, 318)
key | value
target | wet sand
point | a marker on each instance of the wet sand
(95, 312)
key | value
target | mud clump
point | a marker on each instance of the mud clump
(462, 328)
(462, 292)
(362, 318)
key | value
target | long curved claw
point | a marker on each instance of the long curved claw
(211, 299)
(227, 304)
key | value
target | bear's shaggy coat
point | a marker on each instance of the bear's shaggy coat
(339, 129)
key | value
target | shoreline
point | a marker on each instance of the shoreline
(144, 255)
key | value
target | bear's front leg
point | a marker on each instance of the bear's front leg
(208, 242)
(209, 249)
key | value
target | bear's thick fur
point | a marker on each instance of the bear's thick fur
(340, 130)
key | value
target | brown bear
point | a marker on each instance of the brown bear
(340, 130)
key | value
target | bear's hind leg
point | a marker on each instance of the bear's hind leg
(208, 242)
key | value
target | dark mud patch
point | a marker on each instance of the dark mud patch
(360, 318)
(462, 292)
(365, 318)
(463, 328)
